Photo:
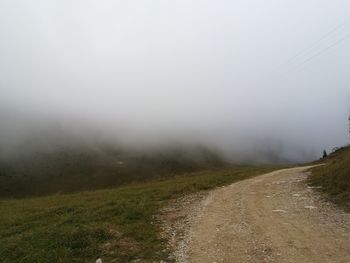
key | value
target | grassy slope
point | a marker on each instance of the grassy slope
(68, 171)
(117, 225)
(334, 177)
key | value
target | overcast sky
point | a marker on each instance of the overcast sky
(232, 73)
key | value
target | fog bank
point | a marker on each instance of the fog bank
(254, 81)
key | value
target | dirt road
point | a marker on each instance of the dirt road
(275, 217)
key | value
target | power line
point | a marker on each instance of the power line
(322, 51)
(305, 50)
(309, 48)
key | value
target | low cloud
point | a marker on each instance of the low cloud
(151, 75)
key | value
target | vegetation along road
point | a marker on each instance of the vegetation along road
(275, 217)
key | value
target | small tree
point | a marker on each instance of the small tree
(324, 154)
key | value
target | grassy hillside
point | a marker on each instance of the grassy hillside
(116, 224)
(81, 169)
(334, 177)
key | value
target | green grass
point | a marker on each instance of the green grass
(68, 171)
(117, 225)
(334, 177)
